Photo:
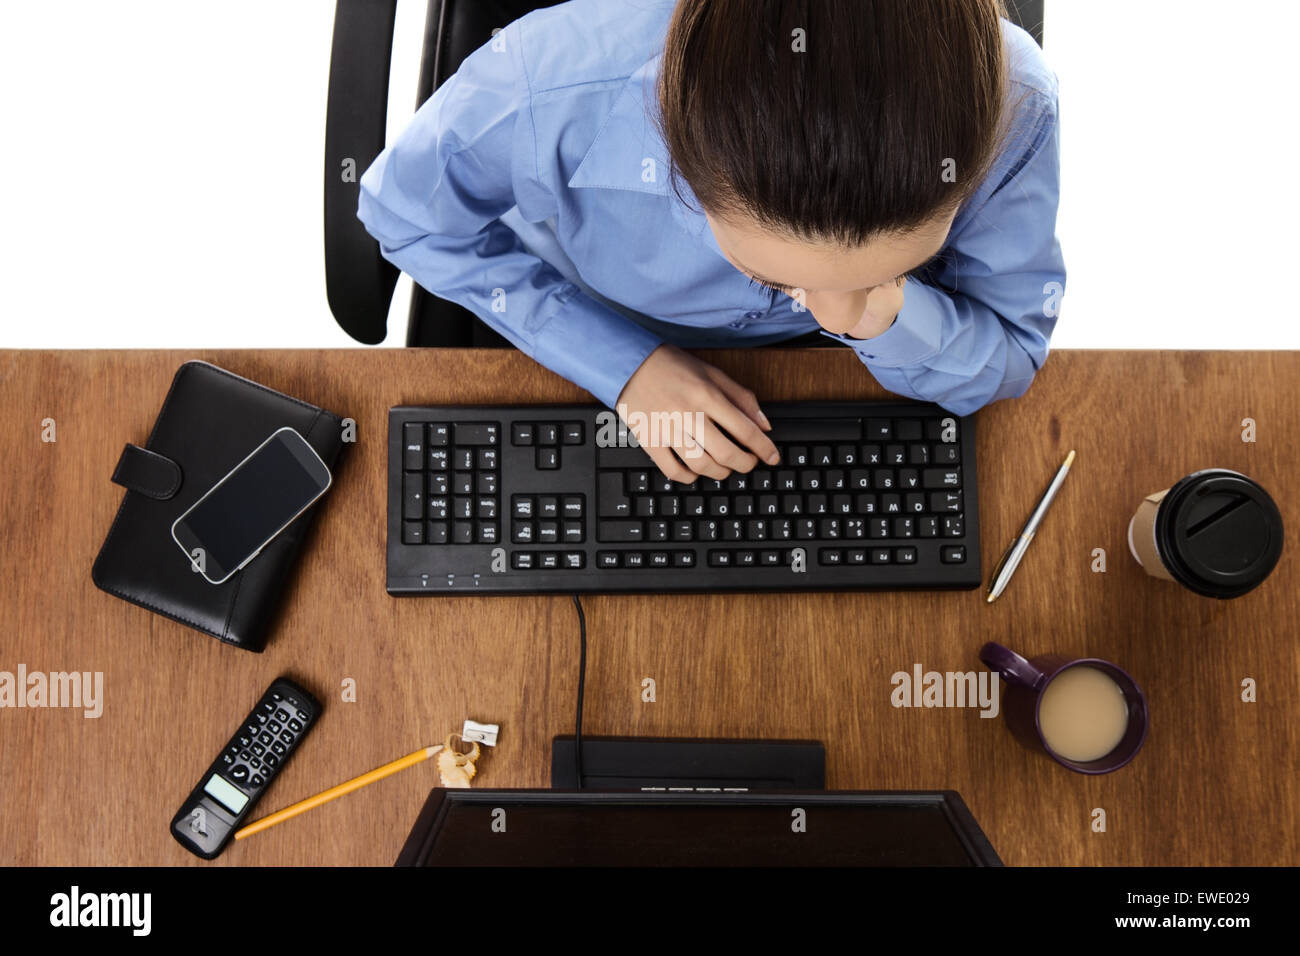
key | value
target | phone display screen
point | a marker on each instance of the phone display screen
(250, 505)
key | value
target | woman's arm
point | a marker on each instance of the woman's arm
(979, 331)
(433, 200)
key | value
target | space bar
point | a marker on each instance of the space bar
(815, 429)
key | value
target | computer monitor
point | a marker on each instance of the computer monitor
(584, 828)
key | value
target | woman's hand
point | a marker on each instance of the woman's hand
(677, 406)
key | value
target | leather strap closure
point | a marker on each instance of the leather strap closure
(147, 472)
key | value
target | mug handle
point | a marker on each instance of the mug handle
(1013, 668)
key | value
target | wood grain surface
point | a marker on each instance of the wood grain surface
(1215, 784)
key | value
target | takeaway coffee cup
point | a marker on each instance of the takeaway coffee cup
(1216, 532)
(1086, 714)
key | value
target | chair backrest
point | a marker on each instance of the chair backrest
(359, 282)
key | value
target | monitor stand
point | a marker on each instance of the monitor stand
(667, 764)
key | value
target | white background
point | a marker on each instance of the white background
(163, 164)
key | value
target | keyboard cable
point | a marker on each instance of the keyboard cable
(582, 679)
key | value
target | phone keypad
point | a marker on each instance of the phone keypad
(274, 728)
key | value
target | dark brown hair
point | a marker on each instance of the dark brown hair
(848, 139)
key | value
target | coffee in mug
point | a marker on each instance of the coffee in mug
(1215, 532)
(1083, 714)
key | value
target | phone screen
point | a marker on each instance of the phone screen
(255, 501)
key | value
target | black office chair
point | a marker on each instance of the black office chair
(359, 281)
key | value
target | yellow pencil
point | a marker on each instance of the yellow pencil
(325, 796)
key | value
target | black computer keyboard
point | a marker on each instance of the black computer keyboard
(527, 499)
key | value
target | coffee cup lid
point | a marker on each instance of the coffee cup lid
(1219, 532)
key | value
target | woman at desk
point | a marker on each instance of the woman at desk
(607, 182)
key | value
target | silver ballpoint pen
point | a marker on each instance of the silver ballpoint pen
(1011, 559)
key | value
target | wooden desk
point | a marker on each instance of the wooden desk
(1215, 784)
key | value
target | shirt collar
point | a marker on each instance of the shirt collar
(629, 154)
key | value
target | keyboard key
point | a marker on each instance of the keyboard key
(547, 434)
(522, 506)
(436, 532)
(571, 433)
(941, 478)
(548, 459)
(462, 483)
(462, 459)
(719, 559)
(572, 533)
(412, 532)
(945, 502)
(907, 429)
(953, 554)
(633, 559)
(606, 559)
(462, 507)
(880, 555)
(769, 559)
(878, 429)
(945, 454)
(683, 559)
(521, 433)
(487, 459)
(927, 526)
(637, 482)
(571, 506)
(574, 560)
(619, 531)
(954, 527)
(412, 496)
(439, 483)
(548, 506)
(476, 433)
(523, 532)
(439, 459)
(412, 447)
(488, 532)
(438, 435)
(855, 556)
(548, 532)
(830, 556)
(462, 532)
(658, 559)
(486, 483)
(548, 561)
(745, 559)
(905, 555)
(522, 560)
(815, 429)
(610, 500)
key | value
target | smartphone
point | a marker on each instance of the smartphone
(244, 511)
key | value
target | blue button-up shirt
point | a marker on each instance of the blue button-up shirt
(533, 189)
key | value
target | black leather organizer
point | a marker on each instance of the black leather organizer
(210, 421)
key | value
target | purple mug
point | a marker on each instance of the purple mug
(1027, 679)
